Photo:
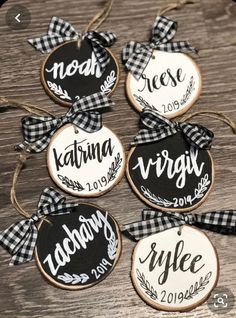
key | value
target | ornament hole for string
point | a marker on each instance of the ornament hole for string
(179, 231)
(76, 129)
(47, 221)
(79, 44)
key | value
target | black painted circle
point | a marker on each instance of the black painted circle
(157, 189)
(67, 89)
(87, 265)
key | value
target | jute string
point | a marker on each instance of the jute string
(213, 114)
(174, 6)
(33, 109)
(9, 103)
(98, 19)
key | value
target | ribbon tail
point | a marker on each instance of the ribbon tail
(223, 222)
(135, 56)
(98, 42)
(180, 46)
(197, 135)
(25, 254)
(46, 43)
(59, 31)
(19, 240)
(129, 231)
(37, 146)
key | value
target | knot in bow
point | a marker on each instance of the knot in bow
(38, 131)
(60, 31)
(20, 238)
(154, 221)
(159, 127)
(136, 55)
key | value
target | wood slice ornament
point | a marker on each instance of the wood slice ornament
(76, 245)
(171, 83)
(166, 169)
(77, 250)
(83, 163)
(160, 76)
(173, 271)
(84, 157)
(79, 67)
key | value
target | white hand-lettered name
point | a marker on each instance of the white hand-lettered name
(183, 165)
(90, 67)
(80, 152)
(78, 239)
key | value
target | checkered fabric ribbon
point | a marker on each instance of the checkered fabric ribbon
(60, 31)
(159, 127)
(135, 55)
(38, 131)
(20, 238)
(153, 221)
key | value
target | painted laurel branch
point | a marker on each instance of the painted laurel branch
(112, 248)
(196, 288)
(198, 194)
(115, 166)
(74, 185)
(154, 199)
(143, 102)
(63, 94)
(74, 278)
(144, 283)
(106, 87)
(202, 187)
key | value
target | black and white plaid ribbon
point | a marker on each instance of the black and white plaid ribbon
(136, 55)
(153, 221)
(38, 131)
(159, 127)
(20, 238)
(60, 31)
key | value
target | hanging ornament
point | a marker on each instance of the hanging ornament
(175, 266)
(170, 167)
(84, 157)
(79, 63)
(75, 245)
(161, 77)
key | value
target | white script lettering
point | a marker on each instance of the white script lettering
(184, 164)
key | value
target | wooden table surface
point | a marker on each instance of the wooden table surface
(210, 26)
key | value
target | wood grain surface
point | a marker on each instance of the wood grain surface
(210, 26)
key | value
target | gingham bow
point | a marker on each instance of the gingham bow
(159, 127)
(153, 221)
(20, 238)
(60, 31)
(136, 55)
(38, 131)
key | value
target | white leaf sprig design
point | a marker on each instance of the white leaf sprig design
(198, 193)
(63, 94)
(74, 278)
(112, 248)
(106, 87)
(202, 187)
(154, 199)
